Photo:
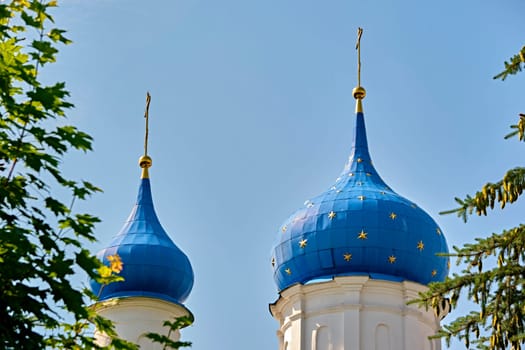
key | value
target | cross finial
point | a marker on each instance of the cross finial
(145, 160)
(359, 92)
(146, 116)
(358, 48)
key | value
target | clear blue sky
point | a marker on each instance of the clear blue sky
(252, 114)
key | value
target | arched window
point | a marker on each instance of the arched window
(382, 337)
(321, 338)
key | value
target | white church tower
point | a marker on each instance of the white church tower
(158, 276)
(347, 263)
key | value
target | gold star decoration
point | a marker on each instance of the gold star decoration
(302, 243)
(393, 215)
(368, 174)
(420, 245)
(288, 271)
(347, 256)
(361, 198)
(438, 231)
(434, 273)
(448, 264)
(331, 215)
(273, 262)
(359, 160)
(284, 228)
(392, 259)
(362, 235)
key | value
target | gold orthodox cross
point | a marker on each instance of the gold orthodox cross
(358, 48)
(146, 116)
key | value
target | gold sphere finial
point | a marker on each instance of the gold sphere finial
(145, 162)
(359, 92)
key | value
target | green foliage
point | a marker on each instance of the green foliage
(178, 323)
(505, 191)
(519, 129)
(494, 267)
(496, 288)
(513, 66)
(41, 237)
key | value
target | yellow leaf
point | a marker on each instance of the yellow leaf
(104, 271)
(115, 263)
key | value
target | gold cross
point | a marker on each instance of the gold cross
(358, 48)
(146, 116)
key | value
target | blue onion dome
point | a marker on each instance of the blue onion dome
(359, 226)
(153, 266)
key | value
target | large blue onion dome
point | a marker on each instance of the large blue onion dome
(153, 266)
(359, 226)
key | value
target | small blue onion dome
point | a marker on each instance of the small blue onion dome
(153, 266)
(360, 226)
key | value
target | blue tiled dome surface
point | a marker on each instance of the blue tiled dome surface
(153, 266)
(359, 227)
